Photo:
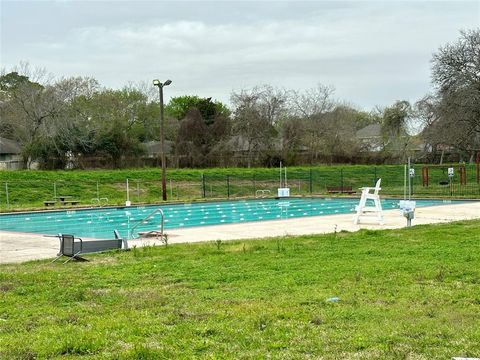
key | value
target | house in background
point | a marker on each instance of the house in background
(10, 155)
(153, 149)
(371, 138)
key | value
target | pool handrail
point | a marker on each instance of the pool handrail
(160, 211)
(262, 193)
(99, 201)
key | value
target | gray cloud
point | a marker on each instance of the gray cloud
(372, 52)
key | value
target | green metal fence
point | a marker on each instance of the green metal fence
(17, 195)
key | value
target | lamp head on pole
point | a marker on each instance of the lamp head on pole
(157, 82)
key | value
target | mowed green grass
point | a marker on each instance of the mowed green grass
(412, 293)
(29, 189)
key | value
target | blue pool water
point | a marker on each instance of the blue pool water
(100, 223)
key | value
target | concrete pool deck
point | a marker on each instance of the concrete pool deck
(19, 247)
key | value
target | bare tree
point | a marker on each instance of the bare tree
(26, 107)
(270, 102)
(312, 102)
(71, 131)
(292, 132)
(456, 75)
(144, 87)
(192, 141)
(256, 112)
(35, 74)
(311, 105)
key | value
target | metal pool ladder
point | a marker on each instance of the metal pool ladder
(100, 201)
(262, 193)
(153, 232)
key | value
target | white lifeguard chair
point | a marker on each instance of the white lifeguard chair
(371, 211)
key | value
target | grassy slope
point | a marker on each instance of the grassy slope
(403, 293)
(28, 189)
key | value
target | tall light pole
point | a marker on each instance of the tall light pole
(157, 82)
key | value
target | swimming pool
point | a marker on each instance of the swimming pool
(100, 223)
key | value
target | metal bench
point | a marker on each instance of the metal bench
(49, 203)
(73, 247)
(340, 190)
(72, 202)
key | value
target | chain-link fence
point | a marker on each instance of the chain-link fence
(348, 181)
(328, 181)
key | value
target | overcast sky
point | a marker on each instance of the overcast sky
(373, 53)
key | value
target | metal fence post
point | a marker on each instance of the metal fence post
(413, 179)
(127, 203)
(341, 179)
(310, 184)
(228, 186)
(138, 190)
(203, 185)
(6, 195)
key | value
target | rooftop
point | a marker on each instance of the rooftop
(9, 147)
(370, 131)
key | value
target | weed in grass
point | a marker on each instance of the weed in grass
(440, 276)
(218, 244)
(31, 325)
(72, 294)
(420, 278)
(258, 248)
(316, 320)
(6, 287)
(144, 251)
(280, 247)
(430, 312)
(262, 323)
(165, 239)
(71, 319)
(209, 332)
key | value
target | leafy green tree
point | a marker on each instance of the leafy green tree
(178, 108)
(117, 119)
(13, 81)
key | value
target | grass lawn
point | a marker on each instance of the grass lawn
(29, 189)
(411, 293)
